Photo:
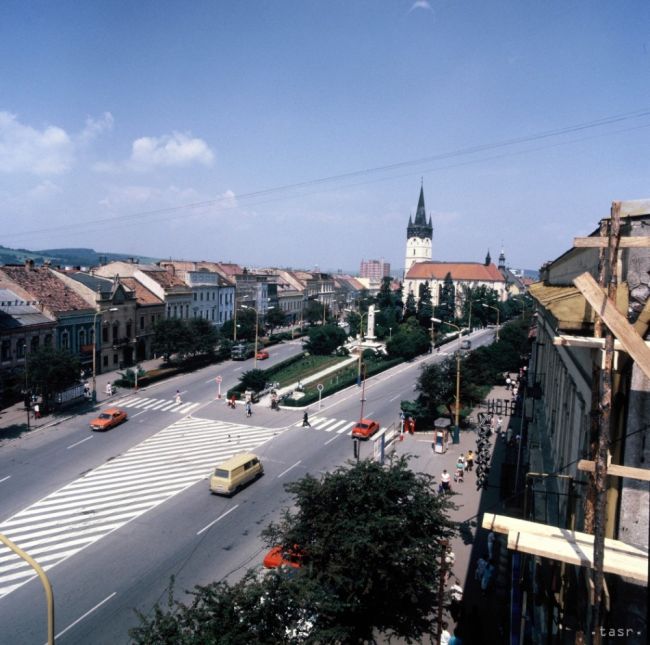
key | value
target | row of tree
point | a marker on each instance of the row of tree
(371, 540)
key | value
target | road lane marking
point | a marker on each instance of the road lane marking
(395, 397)
(90, 611)
(330, 440)
(230, 510)
(5, 479)
(137, 414)
(72, 445)
(284, 472)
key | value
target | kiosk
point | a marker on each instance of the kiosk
(440, 435)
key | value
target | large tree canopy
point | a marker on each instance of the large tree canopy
(371, 537)
(51, 370)
(325, 339)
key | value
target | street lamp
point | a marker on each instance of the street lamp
(28, 393)
(437, 320)
(497, 310)
(101, 311)
(257, 317)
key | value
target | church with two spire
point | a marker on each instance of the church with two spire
(420, 268)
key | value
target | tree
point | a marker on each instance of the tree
(425, 308)
(371, 536)
(203, 336)
(275, 318)
(446, 308)
(250, 611)
(325, 339)
(354, 322)
(51, 370)
(169, 336)
(410, 307)
(315, 312)
(409, 341)
(254, 379)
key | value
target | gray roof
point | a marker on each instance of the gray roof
(16, 312)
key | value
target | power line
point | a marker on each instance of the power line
(284, 191)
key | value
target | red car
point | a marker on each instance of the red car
(365, 428)
(108, 419)
(278, 557)
(262, 354)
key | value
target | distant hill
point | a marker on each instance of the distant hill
(66, 257)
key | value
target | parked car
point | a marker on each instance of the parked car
(262, 354)
(108, 419)
(279, 557)
(466, 344)
(365, 428)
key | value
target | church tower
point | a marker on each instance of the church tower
(419, 234)
(502, 260)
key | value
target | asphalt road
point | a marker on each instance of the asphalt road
(136, 498)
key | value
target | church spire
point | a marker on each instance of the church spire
(419, 227)
(488, 259)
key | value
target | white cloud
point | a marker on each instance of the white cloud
(40, 152)
(45, 190)
(421, 4)
(95, 127)
(176, 149)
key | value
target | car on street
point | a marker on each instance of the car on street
(108, 419)
(262, 354)
(280, 557)
(365, 428)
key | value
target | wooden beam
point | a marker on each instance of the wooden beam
(637, 242)
(642, 474)
(506, 525)
(558, 548)
(589, 342)
(632, 343)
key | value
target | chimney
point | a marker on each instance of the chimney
(29, 264)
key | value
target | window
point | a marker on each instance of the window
(105, 361)
(48, 340)
(201, 296)
(82, 337)
(104, 334)
(115, 359)
(195, 296)
(128, 331)
(5, 351)
(116, 329)
(142, 322)
(175, 311)
(65, 339)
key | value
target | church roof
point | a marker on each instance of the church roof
(420, 227)
(458, 270)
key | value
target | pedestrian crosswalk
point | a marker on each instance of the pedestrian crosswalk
(329, 425)
(166, 405)
(104, 499)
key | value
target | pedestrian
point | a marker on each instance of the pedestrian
(456, 639)
(490, 544)
(249, 409)
(305, 420)
(500, 426)
(445, 481)
(469, 461)
(486, 578)
(444, 634)
(37, 411)
(177, 398)
(460, 469)
(508, 383)
(480, 567)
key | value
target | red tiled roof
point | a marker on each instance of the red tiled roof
(142, 294)
(459, 271)
(49, 290)
(165, 279)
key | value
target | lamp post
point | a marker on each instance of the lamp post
(100, 311)
(497, 310)
(257, 317)
(457, 415)
(28, 394)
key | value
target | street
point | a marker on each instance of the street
(119, 513)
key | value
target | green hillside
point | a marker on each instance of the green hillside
(66, 257)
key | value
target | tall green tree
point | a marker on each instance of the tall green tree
(446, 307)
(324, 340)
(425, 308)
(410, 307)
(371, 557)
(203, 336)
(410, 341)
(170, 336)
(51, 370)
(275, 318)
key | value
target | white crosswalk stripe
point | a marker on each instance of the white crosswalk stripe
(328, 424)
(147, 403)
(104, 499)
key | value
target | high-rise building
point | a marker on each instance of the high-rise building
(374, 270)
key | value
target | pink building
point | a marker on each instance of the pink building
(374, 270)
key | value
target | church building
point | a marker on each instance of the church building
(419, 267)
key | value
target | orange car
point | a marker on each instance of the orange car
(108, 419)
(262, 354)
(365, 428)
(278, 557)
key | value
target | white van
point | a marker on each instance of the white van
(235, 473)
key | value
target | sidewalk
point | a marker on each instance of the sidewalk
(484, 618)
(13, 420)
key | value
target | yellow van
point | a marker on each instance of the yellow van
(235, 473)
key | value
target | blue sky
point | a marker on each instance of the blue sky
(298, 133)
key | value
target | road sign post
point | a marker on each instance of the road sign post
(319, 387)
(218, 380)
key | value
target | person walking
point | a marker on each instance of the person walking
(305, 420)
(469, 460)
(445, 481)
(249, 409)
(37, 411)
(177, 398)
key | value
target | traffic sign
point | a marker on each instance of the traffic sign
(218, 379)
(319, 387)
